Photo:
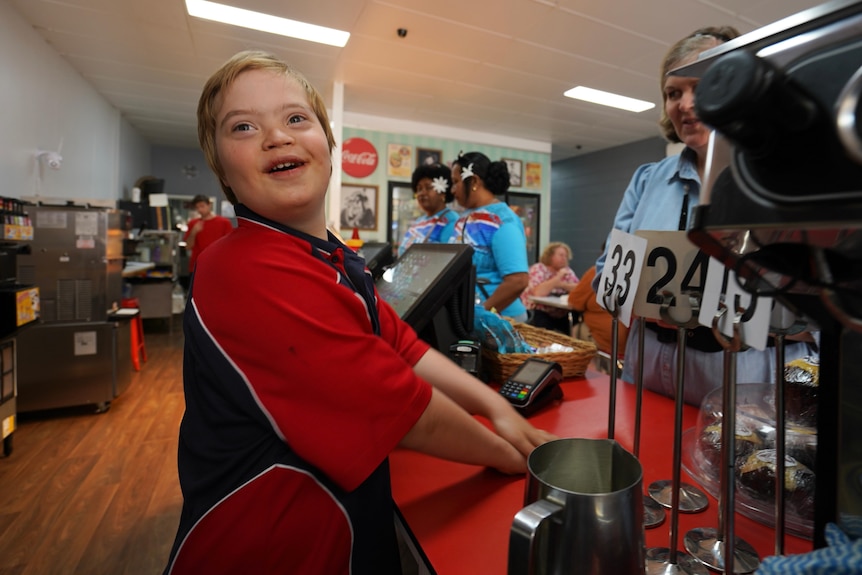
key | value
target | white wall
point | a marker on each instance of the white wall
(44, 101)
(135, 159)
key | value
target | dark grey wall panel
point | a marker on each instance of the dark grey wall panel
(586, 191)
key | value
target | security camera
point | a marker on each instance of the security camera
(53, 159)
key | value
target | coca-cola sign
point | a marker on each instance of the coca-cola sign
(358, 158)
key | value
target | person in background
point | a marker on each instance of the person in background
(204, 229)
(582, 299)
(432, 186)
(493, 230)
(661, 196)
(550, 276)
(298, 379)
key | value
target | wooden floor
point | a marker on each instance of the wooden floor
(97, 494)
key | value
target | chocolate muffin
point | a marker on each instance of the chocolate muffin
(800, 443)
(801, 383)
(755, 476)
(746, 442)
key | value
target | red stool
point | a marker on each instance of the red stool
(139, 350)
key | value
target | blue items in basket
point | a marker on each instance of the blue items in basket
(843, 556)
(498, 334)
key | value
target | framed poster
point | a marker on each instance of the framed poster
(534, 175)
(428, 157)
(399, 161)
(515, 172)
(358, 207)
(527, 207)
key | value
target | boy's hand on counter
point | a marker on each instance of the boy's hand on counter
(511, 426)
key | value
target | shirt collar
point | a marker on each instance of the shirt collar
(245, 213)
(686, 166)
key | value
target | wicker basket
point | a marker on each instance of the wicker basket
(499, 366)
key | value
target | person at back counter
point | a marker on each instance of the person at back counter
(298, 380)
(204, 229)
(661, 196)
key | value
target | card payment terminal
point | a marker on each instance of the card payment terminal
(533, 384)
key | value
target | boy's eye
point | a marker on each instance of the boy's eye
(295, 119)
(242, 127)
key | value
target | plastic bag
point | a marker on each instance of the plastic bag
(498, 334)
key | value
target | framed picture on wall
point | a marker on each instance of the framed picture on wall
(428, 157)
(527, 206)
(399, 160)
(534, 175)
(358, 207)
(515, 173)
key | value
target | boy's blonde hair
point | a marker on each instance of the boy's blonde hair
(223, 78)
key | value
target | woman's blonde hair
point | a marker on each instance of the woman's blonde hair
(549, 250)
(691, 45)
(210, 101)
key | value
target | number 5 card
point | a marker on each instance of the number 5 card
(621, 273)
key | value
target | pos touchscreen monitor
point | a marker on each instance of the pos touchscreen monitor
(377, 256)
(431, 287)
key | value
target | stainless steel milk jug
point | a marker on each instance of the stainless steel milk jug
(584, 511)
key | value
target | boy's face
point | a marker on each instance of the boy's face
(273, 150)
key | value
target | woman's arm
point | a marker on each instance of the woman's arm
(564, 279)
(507, 292)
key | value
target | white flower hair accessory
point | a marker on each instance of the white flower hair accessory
(439, 184)
(467, 172)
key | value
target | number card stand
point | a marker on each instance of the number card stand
(675, 494)
(654, 514)
(614, 308)
(718, 549)
(620, 282)
(780, 332)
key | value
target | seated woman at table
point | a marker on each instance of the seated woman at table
(432, 188)
(550, 276)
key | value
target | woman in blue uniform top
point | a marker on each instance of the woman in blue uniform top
(495, 232)
(432, 186)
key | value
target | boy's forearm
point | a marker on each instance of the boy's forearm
(445, 430)
(464, 389)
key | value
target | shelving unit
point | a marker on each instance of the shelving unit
(154, 286)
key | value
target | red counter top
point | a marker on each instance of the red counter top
(462, 514)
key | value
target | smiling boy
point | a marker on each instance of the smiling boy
(298, 380)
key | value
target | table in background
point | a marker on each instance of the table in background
(559, 302)
(462, 514)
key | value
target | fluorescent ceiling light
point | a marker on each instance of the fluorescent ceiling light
(266, 23)
(608, 99)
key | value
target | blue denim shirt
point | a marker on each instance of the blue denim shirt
(654, 198)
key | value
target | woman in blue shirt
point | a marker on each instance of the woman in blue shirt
(432, 186)
(494, 231)
(661, 196)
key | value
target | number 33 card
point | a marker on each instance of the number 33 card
(621, 273)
